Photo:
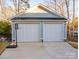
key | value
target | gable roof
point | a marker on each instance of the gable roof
(39, 12)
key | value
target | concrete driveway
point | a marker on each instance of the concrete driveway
(51, 50)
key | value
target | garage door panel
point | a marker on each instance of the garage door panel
(28, 32)
(52, 32)
(31, 32)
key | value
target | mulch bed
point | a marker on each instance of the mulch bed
(73, 44)
(2, 48)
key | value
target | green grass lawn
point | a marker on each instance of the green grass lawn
(4, 43)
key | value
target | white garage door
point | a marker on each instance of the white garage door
(28, 32)
(53, 32)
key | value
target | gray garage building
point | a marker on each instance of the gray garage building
(39, 23)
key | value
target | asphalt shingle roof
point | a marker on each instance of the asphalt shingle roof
(38, 16)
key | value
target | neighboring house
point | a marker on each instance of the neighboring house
(39, 24)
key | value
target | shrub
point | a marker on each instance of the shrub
(5, 28)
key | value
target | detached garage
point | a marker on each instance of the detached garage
(37, 24)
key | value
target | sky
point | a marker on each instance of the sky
(8, 3)
(31, 2)
(35, 2)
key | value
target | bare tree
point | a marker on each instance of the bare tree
(15, 3)
(2, 5)
(57, 5)
(67, 7)
(21, 5)
(73, 9)
(73, 15)
(60, 6)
